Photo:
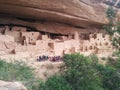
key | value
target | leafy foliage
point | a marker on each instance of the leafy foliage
(80, 73)
(110, 14)
(55, 83)
(17, 71)
(84, 73)
(110, 77)
(113, 27)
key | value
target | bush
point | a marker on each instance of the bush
(77, 73)
(110, 74)
(84, 73)
(110, 77)
(80, 72)
(17, 71)
(55, 83)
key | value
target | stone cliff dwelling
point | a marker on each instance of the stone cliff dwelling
(16, 40)
(35, 28)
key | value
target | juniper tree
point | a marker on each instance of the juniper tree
(113, 27)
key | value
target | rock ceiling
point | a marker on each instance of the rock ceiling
(73, 12)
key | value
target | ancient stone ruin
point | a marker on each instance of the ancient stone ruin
(29, 29)
(18, 41)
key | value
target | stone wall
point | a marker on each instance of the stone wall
(58, 49)
(42, 45)
(16, 28)
(65, 47)
(14, 34)
(98, 44)
(31, 37)
(7, 38)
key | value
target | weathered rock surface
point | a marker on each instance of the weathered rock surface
(11, 86)
(74, 12)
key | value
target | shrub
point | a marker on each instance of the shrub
(55, 83)
(77, 73)
(110, 77)
(17, 71)
(80, 72)
(110, 74)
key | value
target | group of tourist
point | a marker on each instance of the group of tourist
(52, 59)
(56, 59)
(42, 58)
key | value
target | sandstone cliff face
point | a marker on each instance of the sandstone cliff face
(73, 12)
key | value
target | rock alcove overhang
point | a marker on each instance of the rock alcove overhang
(71, 13)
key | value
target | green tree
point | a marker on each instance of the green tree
(80, 72)
(110, 14)
(55, 82)
(113, 27)
(110, 75)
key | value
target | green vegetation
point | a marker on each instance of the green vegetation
(17, 71)
(84, 73)
(111, 15)
(113, 27)
(77, 73)
(81, 72)
(110, 74)
(55, 82)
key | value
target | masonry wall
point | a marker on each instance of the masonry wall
(32, 37)
(16, 28)
(42, 45)
(98, 44)
(58, 48)
(7, 38)
(14, 34)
